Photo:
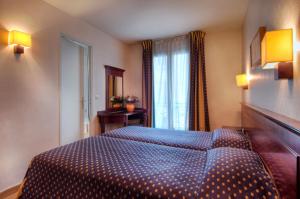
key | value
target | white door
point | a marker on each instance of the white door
(73, 61)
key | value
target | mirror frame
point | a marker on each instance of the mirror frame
(118, 72)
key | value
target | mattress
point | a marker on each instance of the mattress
(104, 167)
(198, 140)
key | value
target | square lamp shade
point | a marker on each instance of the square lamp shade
(242, 81)
(19, 38)
(276, 47)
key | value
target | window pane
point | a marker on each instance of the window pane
(171, 91)
(180, 94)
(160, 74)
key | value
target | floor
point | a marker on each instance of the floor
(12, 196)
(10, 193)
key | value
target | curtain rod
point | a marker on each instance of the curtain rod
(181, 35)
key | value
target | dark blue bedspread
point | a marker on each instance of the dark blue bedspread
(103, 167)
(198, 140)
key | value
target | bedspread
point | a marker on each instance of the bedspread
(103, 167)
(198, 140)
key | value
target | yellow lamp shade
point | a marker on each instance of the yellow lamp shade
(242, 81)
(277, 46)
(19, 38)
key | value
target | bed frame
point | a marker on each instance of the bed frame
(277, 140)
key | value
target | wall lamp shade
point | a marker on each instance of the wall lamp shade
(242, 81)
(276, 47)
(20, 40)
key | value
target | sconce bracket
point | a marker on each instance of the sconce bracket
(245, 87)
(284, 70)
(18, 49)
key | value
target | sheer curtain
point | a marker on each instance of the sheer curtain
(171, 83)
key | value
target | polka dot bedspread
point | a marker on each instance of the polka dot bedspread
(230, 138)
(198, 140)
(103, 167)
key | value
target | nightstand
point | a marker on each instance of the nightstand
(237, 128)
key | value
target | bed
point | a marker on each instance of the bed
(105, 167)
(112, 167)
(197, 140)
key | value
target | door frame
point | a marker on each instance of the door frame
(88, 50)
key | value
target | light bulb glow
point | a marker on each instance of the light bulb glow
(19, 38)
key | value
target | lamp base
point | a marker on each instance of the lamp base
(18, 49)
(284, 70)
(245, 87)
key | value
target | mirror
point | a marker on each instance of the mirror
(114, 87)
(114, 84)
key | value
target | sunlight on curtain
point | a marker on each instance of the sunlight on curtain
(171, 83)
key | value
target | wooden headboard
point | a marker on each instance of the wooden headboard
(277, 139)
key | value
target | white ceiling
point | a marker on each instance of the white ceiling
(131, 20)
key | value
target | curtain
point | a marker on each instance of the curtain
(147, 80)
(198, 113)
(171, 83)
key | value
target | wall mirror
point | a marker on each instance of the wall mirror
(114, 84)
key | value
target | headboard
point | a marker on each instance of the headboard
(277, 139)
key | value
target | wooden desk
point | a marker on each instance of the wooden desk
(122, 116)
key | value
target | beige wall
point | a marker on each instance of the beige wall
(223, 62)
(133, 73)
(29, 85)
(281, 96)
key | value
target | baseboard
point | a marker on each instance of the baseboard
(10, 191)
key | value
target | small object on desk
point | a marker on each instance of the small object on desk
(130, 107)
(122, 116)
(117, 106)
(116, 102)
(130, 103)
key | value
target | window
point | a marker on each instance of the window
(171, 84)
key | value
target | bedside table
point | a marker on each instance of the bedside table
(237, 128)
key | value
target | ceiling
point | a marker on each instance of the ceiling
(132, 20)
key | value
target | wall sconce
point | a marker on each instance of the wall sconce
(277, 53)
(19, 40)
(242, 80)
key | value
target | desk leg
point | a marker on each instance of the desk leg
(102, 125)
(142, 120)
(126, 121)
(145, 119)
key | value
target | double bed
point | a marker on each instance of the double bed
(137, 162)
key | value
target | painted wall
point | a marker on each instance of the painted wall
(133, 74)
(280, 96)
(223, 62)
(29, 84)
